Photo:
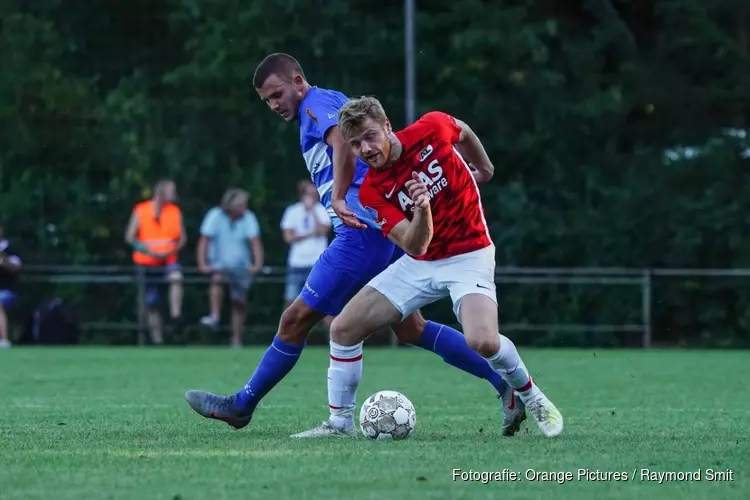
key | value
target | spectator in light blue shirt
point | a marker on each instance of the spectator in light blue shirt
(231, 252)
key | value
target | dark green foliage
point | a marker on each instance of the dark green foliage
(577, 104)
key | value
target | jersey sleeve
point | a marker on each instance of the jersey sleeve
(385, 214)
(324, 113)
(447, 128)
(208, 226)
(252, 227)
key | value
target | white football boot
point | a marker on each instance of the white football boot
(547, 416)
(326, 429)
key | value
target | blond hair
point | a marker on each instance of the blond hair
(354, 113)
(232, 198)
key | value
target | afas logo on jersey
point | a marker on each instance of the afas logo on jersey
(433, 179)
(425, 153)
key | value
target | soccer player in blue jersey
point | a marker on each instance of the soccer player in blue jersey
(358, 253)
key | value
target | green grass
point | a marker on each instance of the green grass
(91, 423)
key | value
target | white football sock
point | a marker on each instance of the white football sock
(508, 364)
(344, 373)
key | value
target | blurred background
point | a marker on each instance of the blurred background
(618, 129)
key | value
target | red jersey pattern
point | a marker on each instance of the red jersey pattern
(457, 212)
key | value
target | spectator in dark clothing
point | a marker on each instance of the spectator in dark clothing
(10, 268)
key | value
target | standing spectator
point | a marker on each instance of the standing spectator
(10, 267)
(231, 252)
(305, 227)
(157, 234)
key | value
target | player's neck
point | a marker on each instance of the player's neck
(396, 150)
(305, 89)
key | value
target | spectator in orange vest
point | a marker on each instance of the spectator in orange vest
(157, 234)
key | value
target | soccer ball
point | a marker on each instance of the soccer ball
(387, 415)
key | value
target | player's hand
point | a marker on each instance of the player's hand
(346, 215)
(255, 268)
(205, 269)
(418, 191)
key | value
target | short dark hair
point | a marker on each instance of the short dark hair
(277, 63)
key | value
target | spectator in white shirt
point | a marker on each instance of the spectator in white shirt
(305, 227)
(231, 252)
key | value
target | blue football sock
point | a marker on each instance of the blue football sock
(451, 345)
(278, 360)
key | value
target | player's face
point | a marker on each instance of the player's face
(170, 192)
(282, 95)
(372, 142)
(239, 208)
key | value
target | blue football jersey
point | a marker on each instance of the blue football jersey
(317, 113)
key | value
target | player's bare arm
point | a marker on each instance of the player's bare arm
(414, 237)
(343, 173)
(291, 236)
(473, 151)
(256, 247)
(201, 252)
(183, 237)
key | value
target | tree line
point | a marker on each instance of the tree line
(616, 129)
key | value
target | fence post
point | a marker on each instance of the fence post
(140, 298)
(646, 307)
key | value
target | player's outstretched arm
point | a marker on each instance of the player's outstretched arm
(343, 174)
(473, 151)
(414, 237)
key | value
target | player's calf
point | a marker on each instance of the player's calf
(367, 312)
(479, 317)
(296, 322)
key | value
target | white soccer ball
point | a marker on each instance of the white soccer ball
(387, 415)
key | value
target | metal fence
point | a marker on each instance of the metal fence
(637, 278)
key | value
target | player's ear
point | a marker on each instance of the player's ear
(388, 128)
(298, 81)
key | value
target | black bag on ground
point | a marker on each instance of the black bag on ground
(52, 323)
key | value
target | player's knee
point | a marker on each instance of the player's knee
(341, 331)
(410, 330)
(295, 324)
(483, 340)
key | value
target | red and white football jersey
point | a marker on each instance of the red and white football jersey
(458, 216)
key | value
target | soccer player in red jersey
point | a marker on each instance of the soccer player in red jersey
(426, 200)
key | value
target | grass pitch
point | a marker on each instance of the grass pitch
(91, 423)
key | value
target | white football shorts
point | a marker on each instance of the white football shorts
(410, 284)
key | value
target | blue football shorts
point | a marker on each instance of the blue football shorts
(353, 258)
